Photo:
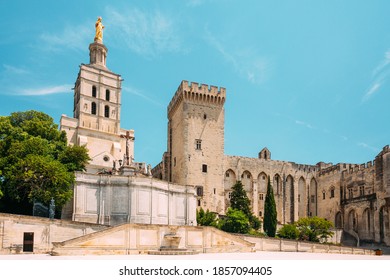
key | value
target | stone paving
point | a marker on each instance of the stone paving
(210, 256)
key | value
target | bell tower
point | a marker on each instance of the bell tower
(97, 110)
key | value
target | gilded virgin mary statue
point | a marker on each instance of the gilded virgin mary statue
(99, 30)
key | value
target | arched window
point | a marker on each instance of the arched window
(93, 91)
(106, 111)
(93, 108)
(107, 94)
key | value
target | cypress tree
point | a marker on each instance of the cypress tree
(270, 216)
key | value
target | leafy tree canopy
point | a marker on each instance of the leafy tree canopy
(236, 221)
(288, 231)
(313, 229)
(239, 200)
(206, 218)
(35, 161)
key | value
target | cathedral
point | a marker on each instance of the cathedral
(195, 172)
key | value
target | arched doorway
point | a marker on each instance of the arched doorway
(338, 221)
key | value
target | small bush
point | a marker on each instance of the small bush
(288, 231)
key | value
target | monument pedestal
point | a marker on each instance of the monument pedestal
(127, 170)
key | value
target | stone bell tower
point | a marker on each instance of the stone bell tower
(97, 110)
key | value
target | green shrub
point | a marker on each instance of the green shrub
(288, 231)
(235, 221)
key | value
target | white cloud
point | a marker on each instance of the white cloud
(307, 125)
(374, 88)
(380, 75)
(382, 65)
(194, 3)
(45, 90)
(247, 62)
(142, 95)
(14, 70)
(146, 33)
(71, 37)
(366, 146)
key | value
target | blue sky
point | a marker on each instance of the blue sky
(307, 79)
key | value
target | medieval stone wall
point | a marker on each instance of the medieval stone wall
(292, 185)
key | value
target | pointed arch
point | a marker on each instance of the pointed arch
(289, 200)
(262, 180)
(352, 222)
(338, 221)
(384, 224)
(247, 181)
(262, 183)
(277, 184)
(302, 198)
(229, 180)
(366, 225)
(313, 197)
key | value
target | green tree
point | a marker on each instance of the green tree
(270, 214)
(36, 164)
(239, 200)
(206, 218)
(314, 229)
(235, 221)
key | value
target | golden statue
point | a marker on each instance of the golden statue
(99, 30)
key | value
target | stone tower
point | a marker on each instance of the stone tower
(196, 142)
(96, 112)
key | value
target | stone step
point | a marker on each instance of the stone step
(172, 252)
(171, 249)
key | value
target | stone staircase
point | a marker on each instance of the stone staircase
(170, 246)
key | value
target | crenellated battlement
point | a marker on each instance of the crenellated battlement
(202, 89)
(346, 168)
(200, 93)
